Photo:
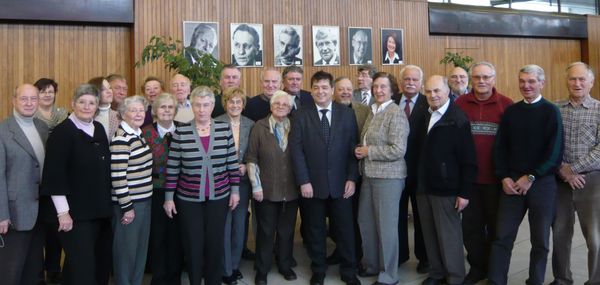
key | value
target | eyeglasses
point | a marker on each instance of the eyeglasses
(482, 77)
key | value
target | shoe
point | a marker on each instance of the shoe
(334, 258)
(54, 277)
(472, 279)
(229, 280)
(362, 272)
(423, 267)
(351, 280)
(238, 274)
(247, 254)
(260, 279)
(433, 281)
(317, 279)
(288, 275)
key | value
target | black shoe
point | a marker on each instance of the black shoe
(362, 272)
(334, 259)
(238, 274)
(317, 279)
(230, 280)
(260, 279)
(54, 277)
(288, 275)
(423, 267)
(472, 278)
(247, 254)
(351, 280)
(433, 281)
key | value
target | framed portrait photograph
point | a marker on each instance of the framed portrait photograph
(360, 46)
(287, 44)
(326, 49)
(203, 37)
(247, 45)
(392, 43)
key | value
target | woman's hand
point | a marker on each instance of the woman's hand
(128, 217)
(242, 169)
(170, 209)
(361, 152)
(234, 200)
(258, 196)
(65, 223)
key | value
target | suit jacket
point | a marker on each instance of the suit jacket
(416, 121)
(20, 175)
(357, 97)
(361, 112)
(326, 166)
(245, 127)
(335, 61)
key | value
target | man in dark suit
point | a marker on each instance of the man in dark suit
(22, 141)
(415, 107)
(322, 141)
(364, 77)
(292, 84)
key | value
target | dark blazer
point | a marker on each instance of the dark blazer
(245, 127)
(447, 165)
(321, 62)
(219, 109)
(19, 175)
(418, 118)
(326, 166)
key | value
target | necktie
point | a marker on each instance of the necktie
(365, 98)
(407, 107)
(277, 134)
(168, 137)
(325, 125)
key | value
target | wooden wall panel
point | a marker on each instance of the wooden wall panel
(591, 49)
(508, 54)
(67, 53)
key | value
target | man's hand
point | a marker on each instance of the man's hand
(306, 190)
(349, 189)
(523, 185)
(65, 222)
(509, 186)
(460, 204)
(576, 181)
(565, 172)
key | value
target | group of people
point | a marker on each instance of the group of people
(167, 179)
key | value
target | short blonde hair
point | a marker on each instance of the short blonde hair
(160, 99)
(202, 91)
(232, 92)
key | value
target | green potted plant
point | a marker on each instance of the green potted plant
(457, 60)
(204, 72)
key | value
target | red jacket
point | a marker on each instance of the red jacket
(485, 118)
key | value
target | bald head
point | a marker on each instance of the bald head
(25, 100)
(436, 91)
(271, 81)
(180, 87)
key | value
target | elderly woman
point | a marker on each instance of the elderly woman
(165, 245)
(234, 101)
(105, 115)
(269, 165)
(151, 88)
(77, 177)
(131, 172)
(47, 111)
(382, 165)
(202, 182)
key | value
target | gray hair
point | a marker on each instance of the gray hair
(160, 99)
(86, 89)
(532, 68)
(280, 93)
(410, 66)
(483, 63)
(202, 91)
(130, 100)
(589, 70)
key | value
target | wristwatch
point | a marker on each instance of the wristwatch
(530, 177)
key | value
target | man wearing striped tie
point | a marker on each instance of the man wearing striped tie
(364, 77)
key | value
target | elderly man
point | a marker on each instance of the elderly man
(447, 168)
(364, 77)
(484, 107)
(245, 47)
(258, 107)
(579, 188)
(292, 84)
(527, 153)
(181, 88)
(415, 107)
(327, 46)
(231, 76)
(118, 84)
(204, 41)
(459, 83)
(288, 47)
(22, 142)
(361, 48)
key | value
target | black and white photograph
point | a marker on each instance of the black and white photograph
(326, 49)
(287, 44)
(360, 46)
(392, 45)
(246, 45)
(203, 37)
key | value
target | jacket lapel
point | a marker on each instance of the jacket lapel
(19, 137)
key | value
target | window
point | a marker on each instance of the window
(563, 6)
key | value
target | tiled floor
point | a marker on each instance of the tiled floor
(517, 275)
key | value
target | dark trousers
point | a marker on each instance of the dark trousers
(314, 213)
(479, 226)
(410, 195)
(275, 220)
(357, 238)
(541, 203)
(165, 245)
(21, 257)
(202, 227)
(88, 248)
(52, 248)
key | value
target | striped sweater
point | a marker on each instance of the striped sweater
(188, 164)
(131, 168)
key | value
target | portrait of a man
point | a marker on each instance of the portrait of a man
(287, 44)
(326, 40)
(360, 46)
(246, 45)
(203, 37)
(391, 43)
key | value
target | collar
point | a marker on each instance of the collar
(22, 120)
(185, 104)
(328, 107)
(387, 56)
(442, 110)
(413, 99)
(376, 109)
(104, 108)
(537, 99)
(587, 102)
(162, 131)
(130, 130)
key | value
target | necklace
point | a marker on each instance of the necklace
(235, 124)
(203, 128)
